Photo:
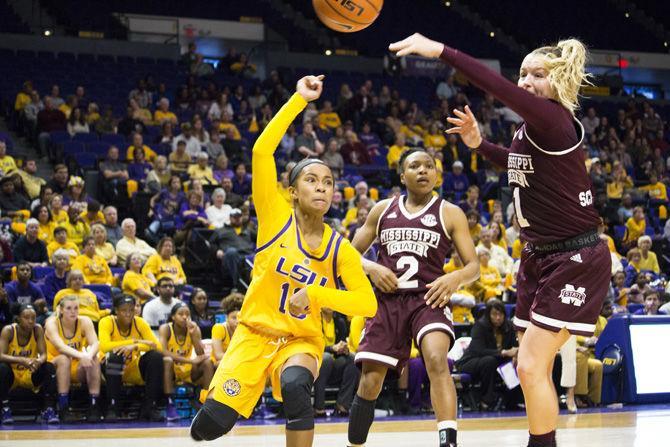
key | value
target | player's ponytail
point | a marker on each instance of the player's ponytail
(566, 63)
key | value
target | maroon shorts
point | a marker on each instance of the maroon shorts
(563, 290)
(401, 318)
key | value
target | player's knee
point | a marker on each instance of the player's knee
(168, 362)
(62, 361)
(212, 421)
(296, 390)
(370, 385)
(530, 372)
(436, 363)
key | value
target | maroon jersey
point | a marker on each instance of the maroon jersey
(552, 190)
(413, 245)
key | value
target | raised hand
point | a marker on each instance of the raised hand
(466, 126)
(417, 44)
(310, 87)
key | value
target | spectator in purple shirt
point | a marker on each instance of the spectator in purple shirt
(24, 291)
(456, 182)
(652, 302)
(241, 181)
(139, 168)
(49, 119)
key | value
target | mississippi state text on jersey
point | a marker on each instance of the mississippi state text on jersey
(413, 245)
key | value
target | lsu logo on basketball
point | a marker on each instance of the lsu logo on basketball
(232, 387)
(572, 295)
(352, 6)
(429, 220)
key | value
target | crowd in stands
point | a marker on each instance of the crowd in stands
(88, 261)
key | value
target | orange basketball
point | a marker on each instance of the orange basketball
(347, 16)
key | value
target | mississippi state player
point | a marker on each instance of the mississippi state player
(565, 268)
(416, 233)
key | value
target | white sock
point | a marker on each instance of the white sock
(443, 425)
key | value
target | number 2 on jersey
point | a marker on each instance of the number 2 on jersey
(406, 281)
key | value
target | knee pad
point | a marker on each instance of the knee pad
(296, 391)
(114, 365)
(212, 421)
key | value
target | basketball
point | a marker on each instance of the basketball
(347, 16)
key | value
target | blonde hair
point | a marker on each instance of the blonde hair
(61, 304)
(565, 64)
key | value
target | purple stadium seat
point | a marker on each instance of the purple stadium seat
(85, 137)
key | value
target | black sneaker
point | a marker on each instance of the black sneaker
(94, 414)
(66, 416)
(112, 414)
(149, 412)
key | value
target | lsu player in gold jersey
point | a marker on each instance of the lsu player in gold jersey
(298, 263)
(179, 338)
(23, 363)
(223, 332)
(133, 355)
(72, 346)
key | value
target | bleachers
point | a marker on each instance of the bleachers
(539, 23)
(10, 22)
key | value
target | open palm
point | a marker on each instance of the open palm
(466, 126)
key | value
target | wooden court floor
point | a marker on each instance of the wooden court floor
(627, 428)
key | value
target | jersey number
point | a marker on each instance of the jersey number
(406, 281)
(517, 206)
(284, 297)
(586, 198)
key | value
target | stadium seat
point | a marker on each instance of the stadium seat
(86, 160)
(104, 294)
(99, 148)
(113, 138)
(85, 137)
(72, 148)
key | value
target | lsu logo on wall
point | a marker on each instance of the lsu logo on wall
(572, 295)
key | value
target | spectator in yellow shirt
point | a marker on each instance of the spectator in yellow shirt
(93, 266)
(328, 118)
(179, 159)
(31, 182)
(103, 248)
(434, 138)
(227, 123)
(396, 151)
(620, 182)
(134, 282)
(635, 227)
(7, 163)
(473, 225)
(46, 228)
(58, 214)
(23, 97)
(163, 113)
(462, 300)
(88, 302)
(92, 215)
(648, 260)
(655, 189)
(201, 170)
(164, 263)
(489, 285)
(76, 228)
(138, 141)
(60, 241)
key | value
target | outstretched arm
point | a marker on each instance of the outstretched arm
(538, 112)
(266, 197)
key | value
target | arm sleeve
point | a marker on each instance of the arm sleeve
(147, 334)
(359, 298)
(539, 113)
(267, 200)
(494, 153)
(105, 334)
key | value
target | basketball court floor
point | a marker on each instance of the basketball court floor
(643, 426)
